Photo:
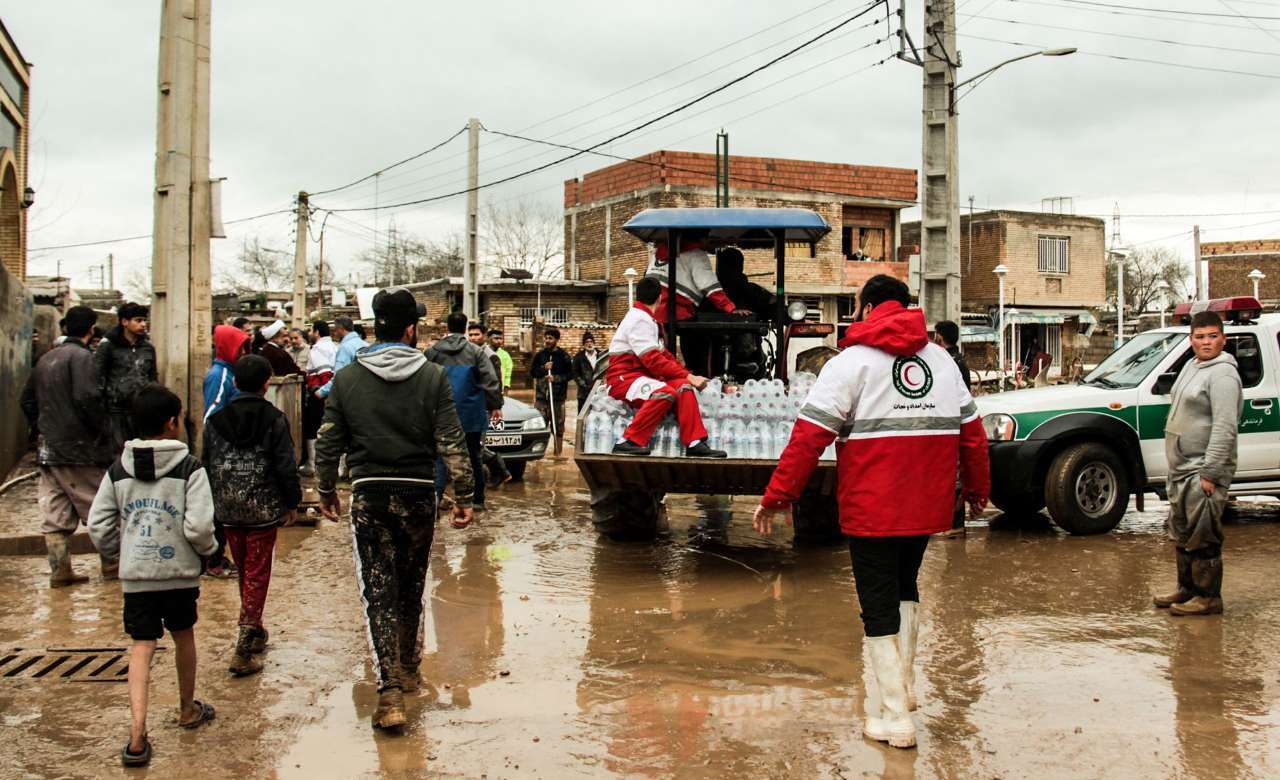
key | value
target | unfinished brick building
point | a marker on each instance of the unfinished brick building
(862, 204)
(1230, 263)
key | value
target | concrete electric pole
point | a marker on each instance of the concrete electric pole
(181, 311)
(300, 262)
(940, 175)
(1195, 250)
(471, 267)
(111, 272)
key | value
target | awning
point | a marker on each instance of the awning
(1016, 316)
(977, 334)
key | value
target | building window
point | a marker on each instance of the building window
(862, 243)
(1055, 254)
(800, 249)
(551, 315)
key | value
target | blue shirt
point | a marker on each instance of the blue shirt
(347, 349)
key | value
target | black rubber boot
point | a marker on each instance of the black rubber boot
(626, 447)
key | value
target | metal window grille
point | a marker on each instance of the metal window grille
(551, 315)
(1055, 252)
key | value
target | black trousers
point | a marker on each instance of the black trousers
(884, 573)
(392, 528)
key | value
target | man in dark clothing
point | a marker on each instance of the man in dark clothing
(126, 362)
(272, 347)
(477, 395)
(551, 370)
(946, 334)
(248, 453)
(63, 399)
(494, 466)
(391, 412)
(584, 367)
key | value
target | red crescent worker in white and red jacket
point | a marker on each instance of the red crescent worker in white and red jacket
(645, 375)
(903, 423)
(696, 281)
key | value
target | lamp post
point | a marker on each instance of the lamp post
(973, 79)
(1012, 314)
(1000, 271)
(630, 273)
(1120, 255)
(1256, 275)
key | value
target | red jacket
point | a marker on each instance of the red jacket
(636, 351)
(904, 422)
(695, 282)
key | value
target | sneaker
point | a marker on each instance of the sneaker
(702, 450)
(223, 571)
(627, 447)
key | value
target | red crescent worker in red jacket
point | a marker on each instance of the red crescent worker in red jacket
(645, 375)
(903, 421)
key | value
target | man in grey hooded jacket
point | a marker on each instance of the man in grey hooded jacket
(1200, 444)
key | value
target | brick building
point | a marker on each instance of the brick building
(862, 204)
(1056, 274)
(1231, 261)
(15, 106)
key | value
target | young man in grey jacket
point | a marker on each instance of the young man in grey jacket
(1200, 443)
(154, 515)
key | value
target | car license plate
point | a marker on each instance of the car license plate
(512, 440)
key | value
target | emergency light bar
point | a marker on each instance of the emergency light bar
(1240, 309)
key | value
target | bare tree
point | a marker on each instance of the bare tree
(405, 258)
(1153, 276)
(527, 234)
(259, 268)
(137, 284)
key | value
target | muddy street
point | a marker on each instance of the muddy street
(552, 653)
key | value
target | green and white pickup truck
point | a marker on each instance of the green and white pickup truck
(1081, 450)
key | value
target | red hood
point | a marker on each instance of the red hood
(890, 328)
(228, 343)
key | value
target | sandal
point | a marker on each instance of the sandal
(136, 759)
(206, 714)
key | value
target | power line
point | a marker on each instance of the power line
(1168, 10)
(148, 235)
(1122, 35)
(410, 158)
(1252, 23)
(1123, 58)
(1200, 22)
(645, 124)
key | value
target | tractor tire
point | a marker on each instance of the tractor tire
(628, 515)
(1087, 489)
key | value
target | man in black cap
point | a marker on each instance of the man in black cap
(126, 362)
(391, 413)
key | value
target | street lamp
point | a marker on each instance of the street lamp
(1043, 53)
(1000, 271)
(630, 273)
(1121, 255)
(1257, 276)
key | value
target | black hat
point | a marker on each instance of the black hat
(397, 308)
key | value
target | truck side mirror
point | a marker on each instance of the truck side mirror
(1164, 384)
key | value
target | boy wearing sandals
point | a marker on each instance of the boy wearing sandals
(154, 514)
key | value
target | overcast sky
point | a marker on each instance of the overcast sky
(311, 94)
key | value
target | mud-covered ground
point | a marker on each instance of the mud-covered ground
(714, 654)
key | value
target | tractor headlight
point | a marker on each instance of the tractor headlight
(999, 427)
(797, 311)
(534, 424)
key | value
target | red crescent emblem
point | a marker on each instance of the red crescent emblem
(906, 376)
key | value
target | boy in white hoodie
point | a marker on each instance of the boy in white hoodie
(154, 514)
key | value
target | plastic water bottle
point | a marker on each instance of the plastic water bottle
(830, 452)
(732, 434)
(619, 426)
(713, 432)
(781, 435)
(597, 433)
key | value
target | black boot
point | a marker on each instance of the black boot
(1185, 591)
(703, 450)
(627, 447)
(1206, 580)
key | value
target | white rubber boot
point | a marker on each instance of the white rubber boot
(308, 469)
(908, 634)
(893, 723)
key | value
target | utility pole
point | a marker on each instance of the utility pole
(181, 315)
(471, 266)
(300, 261)
(320, 273)
(722, 169)
(940, 177)
(111, 271)
(1195, 249)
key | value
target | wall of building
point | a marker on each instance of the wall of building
(1231, 261)
(16, 327)
(15, 110)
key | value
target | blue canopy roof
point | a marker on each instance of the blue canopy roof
(743, 227)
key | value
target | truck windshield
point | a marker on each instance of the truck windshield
(1130, 364)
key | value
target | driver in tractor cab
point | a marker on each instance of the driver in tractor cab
(645, 375)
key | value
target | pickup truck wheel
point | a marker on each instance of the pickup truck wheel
(1019, 506)
(817, 520)
(628, 515)
(1087, 489)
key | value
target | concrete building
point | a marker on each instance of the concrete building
(862, 204)
(1230, 263)
(15, 106)
(1056, 275)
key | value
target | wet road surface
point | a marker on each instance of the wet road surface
(716, 653)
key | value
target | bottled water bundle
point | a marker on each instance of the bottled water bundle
(753, 422)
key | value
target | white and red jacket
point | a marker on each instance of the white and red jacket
(696, 281)
(903, 421)
(636, 352)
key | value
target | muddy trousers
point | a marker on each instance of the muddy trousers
(253, 550)
(685, 399)
(391, 530)
(475, 453)
(884, 574)
(1195, 527)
